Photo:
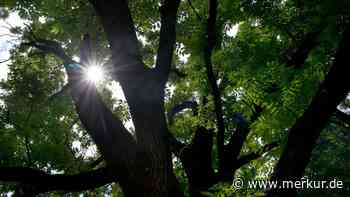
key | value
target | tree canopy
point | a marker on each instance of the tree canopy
(194, 94)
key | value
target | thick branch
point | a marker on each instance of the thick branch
(97, 119)
(168, 12)
(234, 147)
(175, 145)
(197, 161)
(85, 50)
(296, 56)
(50, 46)
(211, 42)
(36, 181)
(307, 44)
(305, 132)
(118, 25)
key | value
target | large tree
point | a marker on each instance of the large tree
(272, 87)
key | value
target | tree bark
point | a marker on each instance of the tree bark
(34, 181)
(303, 135)
(150, 173)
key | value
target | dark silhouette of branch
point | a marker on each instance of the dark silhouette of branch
(303, 135)
(197, 161)
(176, 146)
(224, 82)
(211, 42)
(3, 61)
(119, 27)
(257, 113)
(50, 46)
(244, 159)
(307, 44)
(60, 93)
(144, 90)
(33, 181)
(167, 39)
(85, 50)
(96, 162)
(234, 147)
(178, 73)
(342, 116)
(296, 57)
(104, 128)
(234, 163)
(184, 105)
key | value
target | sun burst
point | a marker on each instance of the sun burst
(94, 74)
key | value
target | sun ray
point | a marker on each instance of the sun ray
(94, 74)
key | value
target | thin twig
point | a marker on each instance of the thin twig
(3, 61)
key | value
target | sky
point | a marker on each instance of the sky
(232, 31)
(7, 40)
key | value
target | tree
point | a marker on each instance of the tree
(285, 70)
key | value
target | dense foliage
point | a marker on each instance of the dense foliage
(273, 64)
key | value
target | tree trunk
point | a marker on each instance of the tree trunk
(149, 171)
(154, 172)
